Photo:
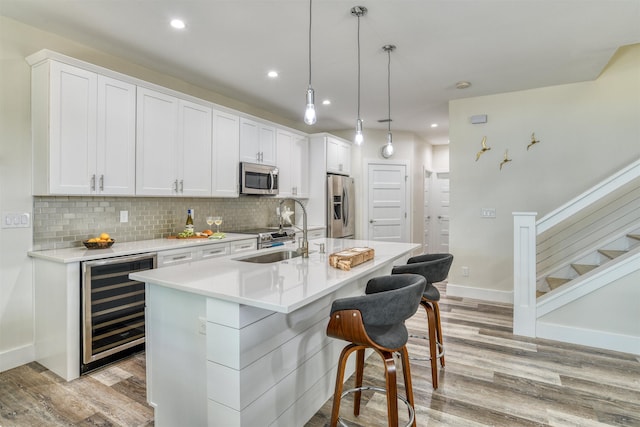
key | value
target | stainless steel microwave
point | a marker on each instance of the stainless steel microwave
(258, 179)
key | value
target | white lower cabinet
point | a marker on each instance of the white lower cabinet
(212, 250)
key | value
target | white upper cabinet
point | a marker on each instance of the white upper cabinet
(83, 132)
(174, 153)
(293, 164)
(257, 142)
(338, 156)
(226, 149)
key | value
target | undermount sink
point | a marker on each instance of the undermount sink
(271, 257)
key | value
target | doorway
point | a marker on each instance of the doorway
(436, 212)
(387, 207)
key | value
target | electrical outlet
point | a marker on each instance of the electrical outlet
(124, 216)
(465, 271)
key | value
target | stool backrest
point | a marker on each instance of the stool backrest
(434, 267)
(387, 303)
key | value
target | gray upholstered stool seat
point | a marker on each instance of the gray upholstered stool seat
(434, 268)
(376, 320)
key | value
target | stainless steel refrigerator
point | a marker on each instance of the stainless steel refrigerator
(340, 207)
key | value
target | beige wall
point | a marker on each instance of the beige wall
(587, 131)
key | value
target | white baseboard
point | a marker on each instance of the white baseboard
(484, 294)
(588, 337)
(15, 357)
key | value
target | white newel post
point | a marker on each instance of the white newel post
(524, 273)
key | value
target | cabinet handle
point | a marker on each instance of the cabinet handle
(176, 258)
(182, 185)
(93, 182)
(101, 182)
(340, 167)
(175, 185)
(261, 157)
(258, 156)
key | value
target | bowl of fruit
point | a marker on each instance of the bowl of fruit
(103, 241)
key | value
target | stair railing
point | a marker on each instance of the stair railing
(525, 232)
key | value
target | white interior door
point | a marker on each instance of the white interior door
(436, 212)
(387, 202)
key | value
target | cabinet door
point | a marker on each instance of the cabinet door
(194, 149)
(300, 166)
(226, 146)
(116, 138)
(284, 142)
(249, 141)
(268, 150)
(72, 130)
(345, 157)
(338, 156)
(156, 147)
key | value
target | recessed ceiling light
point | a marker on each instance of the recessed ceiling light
(462, 85)
(178, 24)
(326, 102)
(272, 74)
(434, 125)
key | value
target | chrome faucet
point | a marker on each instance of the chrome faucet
(303, 248)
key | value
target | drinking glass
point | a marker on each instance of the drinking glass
(210, 221)
(217, 220)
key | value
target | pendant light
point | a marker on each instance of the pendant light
(310, 111)
(387, 149)
(358, 11)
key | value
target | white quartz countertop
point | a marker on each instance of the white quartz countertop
(68, 255)
(282, 286)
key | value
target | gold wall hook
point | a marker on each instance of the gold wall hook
(533, 141)
(506, 159)
(484, 148)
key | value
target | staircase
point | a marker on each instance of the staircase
(576, 269)
(597, 259)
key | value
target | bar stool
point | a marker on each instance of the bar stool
(434, 268)
(376, 320)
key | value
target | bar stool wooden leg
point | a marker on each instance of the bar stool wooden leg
(359, 376)
(433, 347)
(392, 387)
(436, 309)
(408, 386)
(342, 364)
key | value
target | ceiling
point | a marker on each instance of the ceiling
(228, 46)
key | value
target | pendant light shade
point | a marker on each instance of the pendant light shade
(310, 110)
(358, 11)
(387, 149)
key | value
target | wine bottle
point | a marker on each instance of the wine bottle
(189, 225)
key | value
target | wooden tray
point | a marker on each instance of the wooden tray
(351, 257)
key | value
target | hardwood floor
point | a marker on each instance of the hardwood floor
(491, 378)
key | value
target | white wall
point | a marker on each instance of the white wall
(587, 131)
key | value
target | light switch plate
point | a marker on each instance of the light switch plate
(488, 213)
(16, 220)
(124, 216)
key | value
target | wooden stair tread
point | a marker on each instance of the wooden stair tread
(555, 282)
(610, 253)
(539, 294)
(583, 268)
(634, 236)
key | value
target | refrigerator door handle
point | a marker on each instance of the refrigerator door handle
(345, 207)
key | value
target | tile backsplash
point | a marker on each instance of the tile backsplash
(63, 222)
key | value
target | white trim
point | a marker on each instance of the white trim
(590, 196)
(16, 357)
(483, 294)
(589, 282)
(588, 337)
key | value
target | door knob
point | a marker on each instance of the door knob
(371, 221)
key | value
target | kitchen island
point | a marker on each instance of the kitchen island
(236, 343)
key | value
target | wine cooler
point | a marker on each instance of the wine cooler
(113, 306)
